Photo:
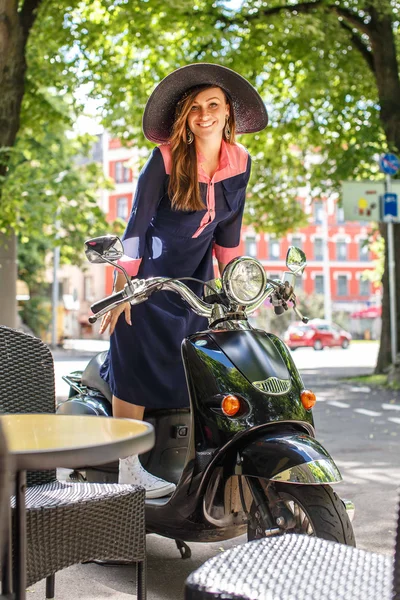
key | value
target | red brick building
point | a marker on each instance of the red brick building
(349, 257)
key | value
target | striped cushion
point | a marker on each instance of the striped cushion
(63, 493)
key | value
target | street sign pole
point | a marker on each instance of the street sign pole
(392, 279)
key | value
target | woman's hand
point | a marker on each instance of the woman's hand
(111, 318)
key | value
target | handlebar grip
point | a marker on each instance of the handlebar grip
(279, 310)
(98, 306)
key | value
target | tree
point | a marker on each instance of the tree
(55, 54)
(331, 71)
(327, 70)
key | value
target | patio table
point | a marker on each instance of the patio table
(48, 441)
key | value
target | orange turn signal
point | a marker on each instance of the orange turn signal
(308, 399)
(230, 405)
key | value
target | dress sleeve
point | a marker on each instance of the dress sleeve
(227, 233)
(149, 191)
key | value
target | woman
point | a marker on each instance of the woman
(189, 201)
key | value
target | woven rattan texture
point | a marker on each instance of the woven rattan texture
(67, 523)
(110, 527)
(292, 567)
(5, 489)
(26, 381)
(396, 573)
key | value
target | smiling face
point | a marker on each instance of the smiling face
(208, 113)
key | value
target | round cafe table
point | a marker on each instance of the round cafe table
(48, 441)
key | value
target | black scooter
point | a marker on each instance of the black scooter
(244, 456)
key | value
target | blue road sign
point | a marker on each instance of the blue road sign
(389, 164)
(389, 207)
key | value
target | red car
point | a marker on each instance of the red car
(316, 334)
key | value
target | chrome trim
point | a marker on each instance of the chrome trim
(234, 325)
(315, 472)
(73, 384)
(201, 308)
(273, 386)
(267, 292)
(350, 508)
(227, 276)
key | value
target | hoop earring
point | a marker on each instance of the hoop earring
(189, 136)
(227, 130)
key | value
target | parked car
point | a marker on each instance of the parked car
(317, 334)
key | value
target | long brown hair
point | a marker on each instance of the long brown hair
(184, 189)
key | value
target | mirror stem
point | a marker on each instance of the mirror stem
(110, 262)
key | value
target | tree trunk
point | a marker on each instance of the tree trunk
(12, 74)
(14, 30)
(8, 280)
(385, 356)
(388, 84)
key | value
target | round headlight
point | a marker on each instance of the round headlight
(244, 280)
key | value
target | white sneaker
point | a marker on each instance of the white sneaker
(131, 471)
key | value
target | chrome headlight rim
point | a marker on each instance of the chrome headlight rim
(228, 275)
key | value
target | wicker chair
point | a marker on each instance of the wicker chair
(67, 523)
(5, 489)
(296, 567)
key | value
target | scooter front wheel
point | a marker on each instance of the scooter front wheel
(316, 511)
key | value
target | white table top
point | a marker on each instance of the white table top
(47, 441)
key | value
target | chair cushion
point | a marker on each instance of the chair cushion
(62, 493)
(293, 567)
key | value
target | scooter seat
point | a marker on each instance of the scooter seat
(91, 376)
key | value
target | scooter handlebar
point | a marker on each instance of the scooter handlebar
(108, 301)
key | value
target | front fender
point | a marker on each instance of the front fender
(289, 457)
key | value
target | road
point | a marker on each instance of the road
(358, 426)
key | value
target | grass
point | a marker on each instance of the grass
(374, 381)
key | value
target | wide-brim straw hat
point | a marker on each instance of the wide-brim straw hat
(159, 113)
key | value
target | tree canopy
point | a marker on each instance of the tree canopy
(327, 70)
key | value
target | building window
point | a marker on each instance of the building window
(365, 288)
(274, 250)
(363, 250)
(341, 250)
(122, 208)
(121, 172)
(342, 286)
(318, 249)
(319, 284)
(297, 241)
(318, 212)
(251, 246)
(340, 215)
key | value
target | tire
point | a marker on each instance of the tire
(345, 344)
(322, 513)
(318, 345)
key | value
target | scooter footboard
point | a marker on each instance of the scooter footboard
(290, 458)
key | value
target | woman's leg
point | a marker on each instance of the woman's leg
(125, 410)
(130, 469)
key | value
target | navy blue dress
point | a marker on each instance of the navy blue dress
(144, 364)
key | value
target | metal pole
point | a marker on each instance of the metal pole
(326, 267)
(55, 299)
(392, 280)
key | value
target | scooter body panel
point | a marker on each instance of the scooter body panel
(211, 374)
(288, 457)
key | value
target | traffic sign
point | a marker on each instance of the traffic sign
(362, 200)
(389, 207)
(389, 164)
